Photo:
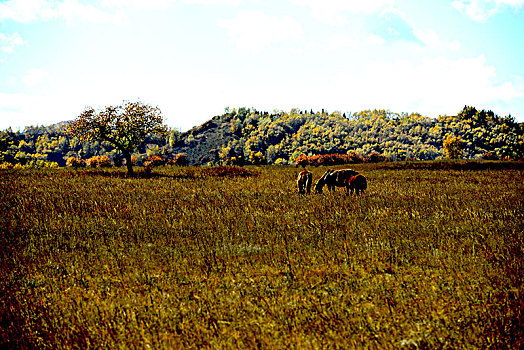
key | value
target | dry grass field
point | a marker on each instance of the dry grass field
(430, 257)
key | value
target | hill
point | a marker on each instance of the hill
(247, 136)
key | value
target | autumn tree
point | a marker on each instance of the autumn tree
(125, 126)
(453, 147)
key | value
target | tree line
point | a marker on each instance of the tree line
(247, 136)
(253, 137)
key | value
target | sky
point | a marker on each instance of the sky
(195, 58)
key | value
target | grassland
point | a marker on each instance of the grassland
(198, 258)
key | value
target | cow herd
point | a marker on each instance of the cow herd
(348, 178)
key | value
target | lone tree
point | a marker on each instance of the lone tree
(125, 126)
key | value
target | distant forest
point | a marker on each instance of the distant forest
(247, 136)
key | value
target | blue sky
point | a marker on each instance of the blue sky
(193, 58)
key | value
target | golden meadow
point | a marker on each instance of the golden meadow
(200, 257)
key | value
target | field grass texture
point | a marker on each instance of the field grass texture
(235, 258)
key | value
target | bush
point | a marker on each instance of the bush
(375, 157)
(353, 158)
(281, 161)
(92, 162)
(329, 159)
(6, 166)
(99, 162)
(74, 162)
(40, 163)
(180, 159)
(154, 161)
(257, 158)
(104, 162)
(489, 156)
(302, 160)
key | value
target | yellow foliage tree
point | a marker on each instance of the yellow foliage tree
(453, 147)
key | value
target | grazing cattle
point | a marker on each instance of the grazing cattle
(335, 178)
(304, 181)
(358, 183)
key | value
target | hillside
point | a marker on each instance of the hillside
(248, 136)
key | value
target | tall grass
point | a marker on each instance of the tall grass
(201, 258)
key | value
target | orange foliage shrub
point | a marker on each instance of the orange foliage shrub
(153, 161)
(302, 160)
(74, 162)
(375, 157)
(99, 162)
(180, 159)
(329, 159)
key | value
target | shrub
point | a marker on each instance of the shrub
(154, 161)
(281, 161)
(74, 162)
(257, 158)
(353, 158)
(99, 162)
(302, 160)
(104, 162)
(233, 161)
(6, 166)
(91, 162)
(40, 163)
(180, 159)
(329, 159)
(489, 156)
(375, 157)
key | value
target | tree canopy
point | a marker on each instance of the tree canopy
(125, 126)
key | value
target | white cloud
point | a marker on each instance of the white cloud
(138, 4)
(255, 31)
(481, 10)
(432, 40)
(30, 10)
(215, 2)
(343, 41)
(355, 41)
(21, 110)
(335, 11)
(163, 4)
(374, 39)
(179, 96)
(401, 27)
(434, 86)
(8, 43)
(34, 77)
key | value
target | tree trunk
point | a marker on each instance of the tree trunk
(129, 164)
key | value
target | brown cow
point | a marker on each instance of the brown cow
(335, 178)
(304, 181)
